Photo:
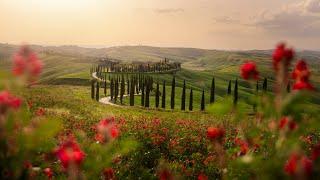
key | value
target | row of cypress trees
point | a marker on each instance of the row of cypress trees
(144, 85)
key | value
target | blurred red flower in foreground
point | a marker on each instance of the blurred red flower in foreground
(286, 121)
(249, 71)
(301, 75)
(40, 112)
(7, 100)
(202, 177)
(26, 62)
(165, 175)
(48, 172)
(244, 146)
(70, 153)
(107, 129)
(298, 164)
(282, 54)
(108, 174)
(214, 133)
(315, 153)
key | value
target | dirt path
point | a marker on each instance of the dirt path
(107, 100)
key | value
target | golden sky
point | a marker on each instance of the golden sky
(213, 24)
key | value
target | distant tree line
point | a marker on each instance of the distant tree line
(116, 67)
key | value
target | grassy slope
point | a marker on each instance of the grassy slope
(69, 65)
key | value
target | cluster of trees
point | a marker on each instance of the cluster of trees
(116, 67)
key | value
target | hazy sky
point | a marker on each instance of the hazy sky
(213, 24)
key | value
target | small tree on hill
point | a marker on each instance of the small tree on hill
(173, 87)
(148, 88)
(105, 87)
(212, 91)
(202, 101)
(142, 93)
(116, 90)
(112, 88)
(132, 93)
(229, 88)
(92, 89)
(183, 96)
(128, 86)
(157, 95)
(265, 85)
(122, 89)
(235, 97)
(163, 102)
(97, 91)
(191, 100)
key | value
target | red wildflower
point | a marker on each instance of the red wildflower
(214, 133)
(8, 101)
(301, 74)
(291, 165)
(107, 129)
(48, 172)
(287, 122)
(202, 176)
(40, 112)
(165, 175)
(244, 146)
(315, 153)
(298, 164)
(109, 174)
(26, 62)
(283, 122)
(249, 71)
(301, 71)
(282, 54)
(301, 85)
(70, 153)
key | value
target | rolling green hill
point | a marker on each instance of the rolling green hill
(69, 65)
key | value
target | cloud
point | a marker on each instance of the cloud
(312, 6)
(295, 20)
(225, 20)
(169, 10)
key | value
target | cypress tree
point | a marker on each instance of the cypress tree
(212, 91)
(142, 93)
(92, 89)
(105, 87)
(173, 91)
(97, 91)
(163, 102)
(132, 93)
(202, 101)
(183, 96)
(288, 87)
(265, 85)
(148, 87)
(122, 89)
(112, 88)
(157, 95)
(235, 100)
(229, 88)
(191, 100)
(116, 90)
(128, 86)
